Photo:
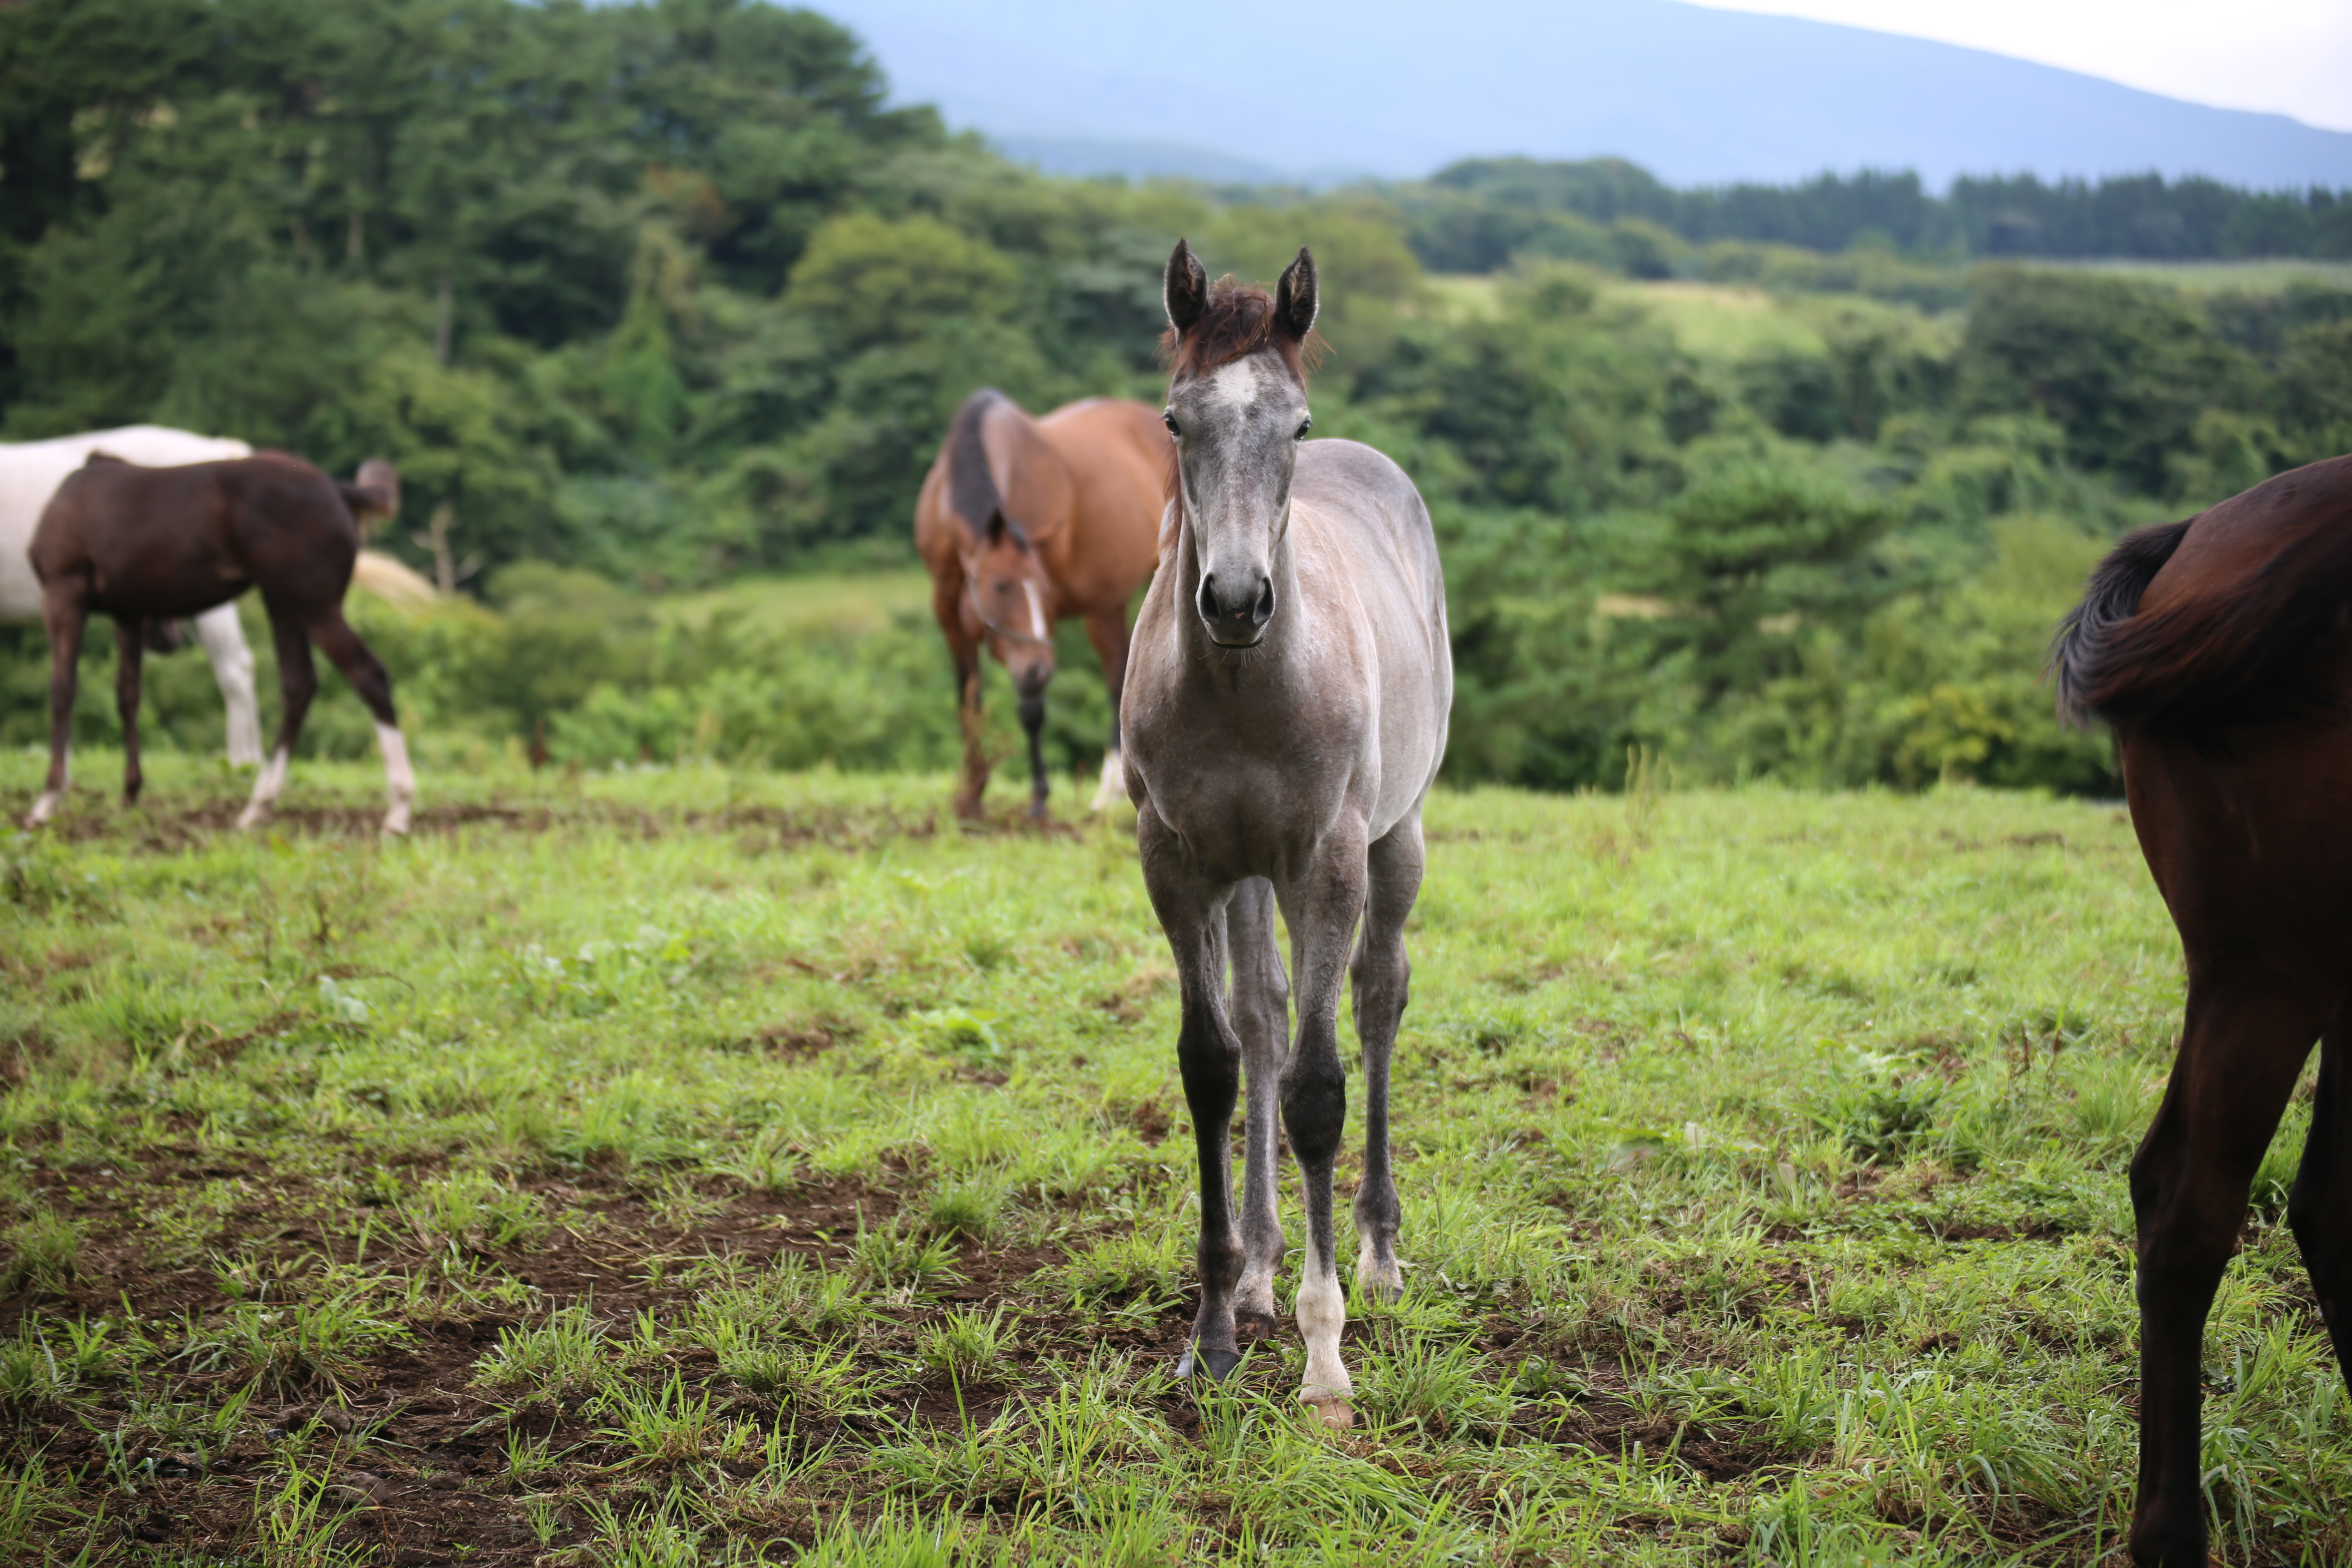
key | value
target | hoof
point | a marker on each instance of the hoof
(43, 809)
(1380, 1291)
(395, 823)
(1335, 1414)
(1218, 1364)
(1254, 1328)
(252, 817)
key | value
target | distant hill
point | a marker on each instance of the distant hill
(1320, 90)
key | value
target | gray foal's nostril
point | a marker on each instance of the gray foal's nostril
(1207, 602)
(1261, 609)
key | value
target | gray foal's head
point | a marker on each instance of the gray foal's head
(1237, 407)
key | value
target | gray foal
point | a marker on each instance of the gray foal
(1283, 715)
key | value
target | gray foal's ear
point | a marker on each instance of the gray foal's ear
(1295, 303)
(1184, 289)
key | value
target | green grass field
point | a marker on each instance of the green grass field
(860, 603)
(2270, 276)
(691, 1166)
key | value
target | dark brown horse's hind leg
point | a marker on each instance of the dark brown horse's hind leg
(129, 650)
(344, 648)
(65, 614)
(2320, 1210)
(2246, 1040)
(298, 682)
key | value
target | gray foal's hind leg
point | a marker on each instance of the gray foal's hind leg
(1322, 907)
(1193, 913)
(1382, 979)
(1260, 1010)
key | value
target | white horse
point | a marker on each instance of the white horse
(30, 473)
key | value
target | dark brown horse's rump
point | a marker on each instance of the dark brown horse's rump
(2231, 617)
(160, 541)
(2221, 650)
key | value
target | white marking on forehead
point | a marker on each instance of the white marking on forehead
(1236, 383)
(1037, 614)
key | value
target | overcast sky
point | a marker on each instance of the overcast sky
(2289, 57)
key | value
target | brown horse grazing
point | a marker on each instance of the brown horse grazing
(146, 546)
(1024, 523)
(2220, 651)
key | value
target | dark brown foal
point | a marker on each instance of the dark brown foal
(146, 546)
(2219, 650)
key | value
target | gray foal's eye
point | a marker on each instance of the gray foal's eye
(1304, 426)
(1168, 418)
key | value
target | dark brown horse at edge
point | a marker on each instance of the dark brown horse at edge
(2219, 650)
(1024, 523)
(147, 546)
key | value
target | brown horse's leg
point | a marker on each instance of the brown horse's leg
(1322, 907)
(1031, 708)
(1382, 979)
(298, 682)
(2247, 1035)
(344, 648)
(1259, 1008)
(974, 783)
(129, 648)
(2320, 1209)
(65, 613)
(1209, 1054)
(1107, 629)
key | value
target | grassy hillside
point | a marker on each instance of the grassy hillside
(757, 1160)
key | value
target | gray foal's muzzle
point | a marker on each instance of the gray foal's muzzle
(1236, 620)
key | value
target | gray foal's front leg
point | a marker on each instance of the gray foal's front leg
(1260, 1010)
(1191, 912)
(1381, 981)
(1322, 907)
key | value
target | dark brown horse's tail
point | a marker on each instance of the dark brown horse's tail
(2082, 659)
(971, 489)
(373, 494)
(2207, 659)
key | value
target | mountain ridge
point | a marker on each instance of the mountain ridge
(1388, 88)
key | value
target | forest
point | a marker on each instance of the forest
(650, 300)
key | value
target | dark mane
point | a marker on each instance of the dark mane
(971, 489)
(1238, 322)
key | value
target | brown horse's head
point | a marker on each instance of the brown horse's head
(1008, 599)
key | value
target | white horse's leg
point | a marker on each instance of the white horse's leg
(1114, 781)
(223, 640)
(399, 781)
(266, 789)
